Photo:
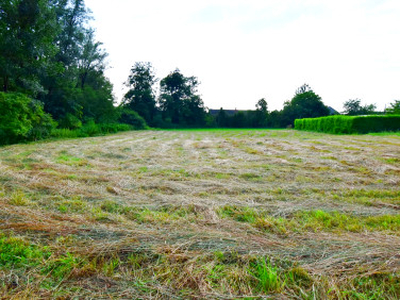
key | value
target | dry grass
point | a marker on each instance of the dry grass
(202, 214)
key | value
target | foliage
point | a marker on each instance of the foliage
(141, 96)
(132, 118)
(305, 104)
(350, 124)
(261, 113)
(179, 101)
(244, 119)
(353, 107)
(22, 119)
(27, 30)
(49, 52)
(394, 108)
(90, 129)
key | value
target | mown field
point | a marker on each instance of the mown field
(202, 214)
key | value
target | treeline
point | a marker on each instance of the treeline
(305, 104)
(179, 104)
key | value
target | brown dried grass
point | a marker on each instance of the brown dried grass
(173, 182)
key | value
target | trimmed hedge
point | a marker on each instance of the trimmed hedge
(350, 124)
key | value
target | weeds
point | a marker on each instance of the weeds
(314, 221)
(16, 253)
(267, 276)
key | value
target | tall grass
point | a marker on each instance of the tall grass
(90, 129)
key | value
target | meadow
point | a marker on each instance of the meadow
(217, 214)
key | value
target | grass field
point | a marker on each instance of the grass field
(202, 214)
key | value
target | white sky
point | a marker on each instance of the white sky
(245, 50)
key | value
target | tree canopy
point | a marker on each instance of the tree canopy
(141, 95)
(179, 101)
(304, 104)
(50, 53)
(353, 107)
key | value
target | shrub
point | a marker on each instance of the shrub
(22, 119)
(130, 117)
(70, 121)
(350, 124)
(42, 123)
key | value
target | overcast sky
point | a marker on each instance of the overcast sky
(245, 50)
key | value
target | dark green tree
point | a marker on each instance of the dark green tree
(305, 104)
(179, 101)
(261, 114)
(77, 89)
(63, 97)
(141, 96)
(27, 31)
(353, 107)
(275, 119)
(221, 118)
(239, 120)
(91, 59)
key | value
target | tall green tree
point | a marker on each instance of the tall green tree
(141, 96)
(77, 89)
(62, 99)
(27, 31)
(261, 113)
(179, 101)
(91, 58)
(305, 104)
(222, 118)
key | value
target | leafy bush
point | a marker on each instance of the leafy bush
(349, 124)
(130, 117)
(70, 121)
(22, 119)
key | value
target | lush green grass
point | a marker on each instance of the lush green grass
(16, 253)
(313, 221)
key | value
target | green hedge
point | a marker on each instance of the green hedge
(350, 124)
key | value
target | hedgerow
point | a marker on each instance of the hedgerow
(350, 124)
